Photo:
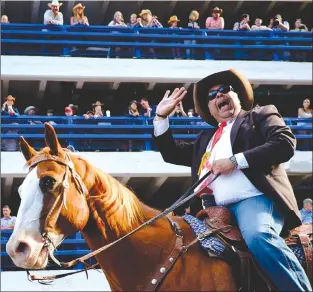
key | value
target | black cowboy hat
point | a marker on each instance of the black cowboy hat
(231, 77)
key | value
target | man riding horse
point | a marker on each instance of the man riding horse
(248, 151)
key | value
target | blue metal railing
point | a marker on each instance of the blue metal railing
(107, 133)
(37, 39)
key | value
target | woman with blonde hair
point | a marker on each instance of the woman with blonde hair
(118, 19)
(78, 15)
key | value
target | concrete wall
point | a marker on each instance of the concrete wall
(140, 164)
(17, 281)
(159, 71)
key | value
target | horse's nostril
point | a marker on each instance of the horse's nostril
(22, 247)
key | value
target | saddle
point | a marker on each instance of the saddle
(218, 217)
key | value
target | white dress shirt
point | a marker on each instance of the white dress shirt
(227, 189)
(50, 18)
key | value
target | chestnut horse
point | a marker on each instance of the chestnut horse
(54, 205)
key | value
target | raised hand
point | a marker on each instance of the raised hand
(169, 102)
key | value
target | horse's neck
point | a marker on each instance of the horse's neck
(126, 264)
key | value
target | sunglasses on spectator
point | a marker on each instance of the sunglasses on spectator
(223, 89)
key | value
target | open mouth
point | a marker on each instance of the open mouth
(224, 105)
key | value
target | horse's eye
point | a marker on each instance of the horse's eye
(47, 182)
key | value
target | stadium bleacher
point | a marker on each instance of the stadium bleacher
(81, 41)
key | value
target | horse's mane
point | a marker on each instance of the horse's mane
(110, 202)
(113, 203)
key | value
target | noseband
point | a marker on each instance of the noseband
(55, 211)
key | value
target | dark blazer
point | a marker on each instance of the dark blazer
(266, 142)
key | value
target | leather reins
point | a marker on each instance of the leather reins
(61, 200)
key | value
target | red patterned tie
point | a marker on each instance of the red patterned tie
(204, 188)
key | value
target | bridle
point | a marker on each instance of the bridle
(55, 211)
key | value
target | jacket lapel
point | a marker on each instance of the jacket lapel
(234, 131)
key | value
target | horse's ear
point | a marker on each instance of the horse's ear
(26, 149)
(51, 139)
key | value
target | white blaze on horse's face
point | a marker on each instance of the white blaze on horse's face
(26, 245)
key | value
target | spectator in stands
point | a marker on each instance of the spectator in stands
(8, 107)
(31, 111)
(68, 111)
(193, 18)
(216, 21)
(50, 113)
(133, 109)
(118, 19)
(193, 24)
(88, 115)
(79, 16)
(305, 111)
(134, 21)
(258, 25)
(243, 24)
(277, 23)
(306, 212)
(300, 26)
(178, 111)
(7, 221)
(191, 113)
(147, 20)
(74, 109)
(173, 23)
(147, 110)
(4, 19)
(53, 16)
(98, 111)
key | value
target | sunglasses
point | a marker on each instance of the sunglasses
(223, 89)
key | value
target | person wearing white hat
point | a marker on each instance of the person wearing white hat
(306, 212)
(53, 15)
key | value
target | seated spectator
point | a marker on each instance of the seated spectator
(98, 111)
(178, 111)
(258, 25)
(216, 21)
(50, 113)
(300, 26)
(79, 16)
(305, 111)
(53, 16)
(134, 21)
(191, 113)
(147, 109)
(133, 109)
(306, 212)
(147, 20)
(74, 109)
(243, 24)
(118, 19)
(173, 23)
(193, 24)
(68, 111)
(7, 221)
(277, 23)
(31, 111)
(193, 17)
(8, 107)
(4, 19)
(88, 115)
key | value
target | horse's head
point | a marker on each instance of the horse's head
(53, 203)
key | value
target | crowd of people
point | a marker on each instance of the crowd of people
(146, 18)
